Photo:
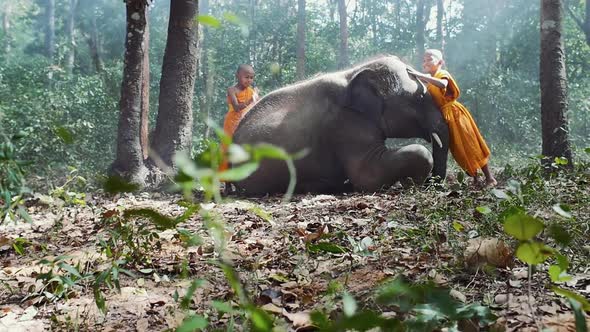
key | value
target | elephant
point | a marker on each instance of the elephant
(343, 119)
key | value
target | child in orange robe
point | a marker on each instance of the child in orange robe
(240, 98)
(466, 143)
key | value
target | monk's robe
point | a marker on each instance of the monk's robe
(233, 117)
(466, 143)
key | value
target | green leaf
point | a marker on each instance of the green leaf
(587, 150)
(561, 161)
(483, 209)
(115, 184)
(72, 270)
(557, 274)
(326, 247)
(239, 172)
(161, 221)
(573, 296)
(268, 151)
(563, 210)
(261, 320)
(560, 234)
(209, 20)
(64, 134)
(581, 325)
(193, 323)
(186, 299)
(533, 253)
(348, 304)
(500, 194)
(522, 226)
(190, 239)
(224, 307)
(458, 226)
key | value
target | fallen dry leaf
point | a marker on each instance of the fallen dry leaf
(562, 323)
(492, 251)
(299, 319)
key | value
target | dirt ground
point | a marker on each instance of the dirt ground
(384, 235)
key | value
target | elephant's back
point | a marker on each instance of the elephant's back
(291, 117)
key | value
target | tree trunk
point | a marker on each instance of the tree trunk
(206, 72)
(71, 41)
(422, 17)
(301, 40)
(440, 10)
(6, 28)
(584, 24)
(419, 32)
(129, 163)
(174, 123)
(145, 93)
(94, 45)
(343, 60)
(50, 29)
(553, 83)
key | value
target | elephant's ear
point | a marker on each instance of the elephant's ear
(363, 96)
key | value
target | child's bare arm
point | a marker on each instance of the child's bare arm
(231, 93)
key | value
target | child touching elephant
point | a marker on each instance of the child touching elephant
(240, 98)
(466, 143)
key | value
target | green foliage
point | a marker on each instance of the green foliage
(532, 251)
(12, 180)
(59, 279)
(432, 308)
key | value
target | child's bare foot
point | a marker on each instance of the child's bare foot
(490, 183)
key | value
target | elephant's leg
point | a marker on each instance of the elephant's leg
(382, 167)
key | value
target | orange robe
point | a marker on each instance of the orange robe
(232, 118)
(466, 143)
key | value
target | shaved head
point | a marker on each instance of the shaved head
(245, 68)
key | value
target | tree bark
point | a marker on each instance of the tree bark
(94, 45)
(50, 29)
(206, 72)
(145, 93)
(583, 24)
(129, 163)
(174, 123)
(70, 58)
(440, 10)
(343, 59)
(422, 17)
(553, 83)
(6, 28)
(300, 72)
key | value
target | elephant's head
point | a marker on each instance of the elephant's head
(399, 105)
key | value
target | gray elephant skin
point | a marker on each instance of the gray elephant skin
(343, 119)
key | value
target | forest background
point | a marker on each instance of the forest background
(67, 102)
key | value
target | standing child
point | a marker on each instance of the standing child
(466, 143)
(240, 98)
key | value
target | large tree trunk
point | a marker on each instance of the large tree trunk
(343, 56)
(129, 163)
(145, 94)
(300, 40)
(71, 41)
(553, 83)
(50, 29)
(174, 124)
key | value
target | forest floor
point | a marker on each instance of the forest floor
(287, 257)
